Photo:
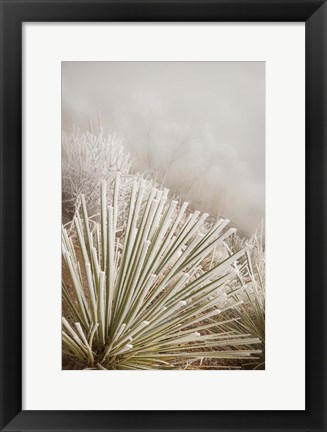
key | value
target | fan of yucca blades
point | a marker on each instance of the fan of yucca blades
(138, 296)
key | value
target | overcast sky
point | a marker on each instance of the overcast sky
(214, 112)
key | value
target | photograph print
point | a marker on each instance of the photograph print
(163, 215)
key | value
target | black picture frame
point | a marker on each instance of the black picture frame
(16, 12)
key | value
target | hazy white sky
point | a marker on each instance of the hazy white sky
(215, 109)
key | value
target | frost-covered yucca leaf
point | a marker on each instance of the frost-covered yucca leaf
(140, 298)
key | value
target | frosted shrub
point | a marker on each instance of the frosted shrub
(86, 158)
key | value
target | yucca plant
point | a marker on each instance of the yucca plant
(140, 298)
